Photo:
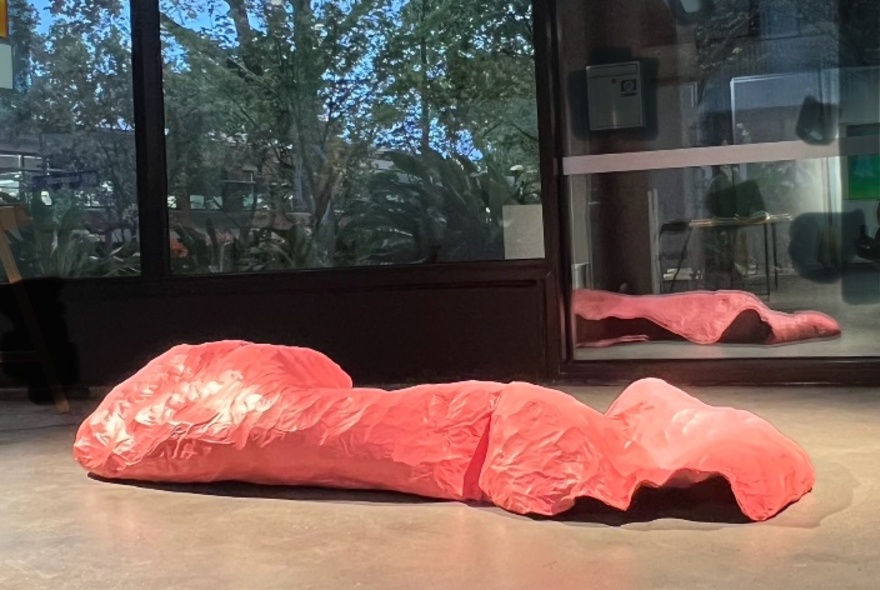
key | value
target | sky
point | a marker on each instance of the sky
(42, 7)
(203, 20)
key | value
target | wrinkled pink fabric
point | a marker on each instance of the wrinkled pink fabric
(702, 317)
(271, 414)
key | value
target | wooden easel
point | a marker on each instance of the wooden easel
(12, 217)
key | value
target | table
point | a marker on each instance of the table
(767, 222)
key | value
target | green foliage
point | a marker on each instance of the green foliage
(277, 108)
(304, 91)
(55, 244)
(72, 108)
(58, 247)
(466, 89)
(254, 250)
(432, 209)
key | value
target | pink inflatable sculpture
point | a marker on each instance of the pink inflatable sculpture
(266, 414)
(703, 317)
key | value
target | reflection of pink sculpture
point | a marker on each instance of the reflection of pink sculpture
(702, 317)
(282, 415)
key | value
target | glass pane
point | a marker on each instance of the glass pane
(67, 159)
(694, 262)
(719, 72)
(317, 133)
(763, 206)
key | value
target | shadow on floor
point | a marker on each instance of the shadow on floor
(711, 501)
(272, 492)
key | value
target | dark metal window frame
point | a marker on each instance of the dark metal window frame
(550, 276)
(149, 109)
(157, 280)
(732, 371)
(149, 112)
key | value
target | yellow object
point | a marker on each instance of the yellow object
(4, 19)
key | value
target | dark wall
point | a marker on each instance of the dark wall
(596, 32)
(395, 327)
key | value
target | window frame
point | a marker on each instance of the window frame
(149, 117)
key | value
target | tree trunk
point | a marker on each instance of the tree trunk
(306, 108)
(238, 14)
(425, 115)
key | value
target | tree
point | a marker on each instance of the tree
(465, 90)
(280, 107)
(307, 91)
(847, 31)
(73, 98)
(285, 83)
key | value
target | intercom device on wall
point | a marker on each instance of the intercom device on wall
(615, 96)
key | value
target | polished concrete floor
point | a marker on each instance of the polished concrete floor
(60, 529)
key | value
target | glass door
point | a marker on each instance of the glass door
(723, 177)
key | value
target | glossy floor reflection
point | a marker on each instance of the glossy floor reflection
(853, 300)
(62, 529)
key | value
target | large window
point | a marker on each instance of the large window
(728, 147)
(67, 158)
(318, 133)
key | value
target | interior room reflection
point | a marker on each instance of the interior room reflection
(781, 215)
(789, 255)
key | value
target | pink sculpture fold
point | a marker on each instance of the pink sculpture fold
(703, 317)
(282, 415)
